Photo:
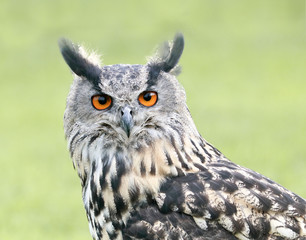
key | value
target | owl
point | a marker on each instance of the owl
(146, 172)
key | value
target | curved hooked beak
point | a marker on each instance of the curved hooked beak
(127, 120)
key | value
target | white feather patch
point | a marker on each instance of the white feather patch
(201, 223)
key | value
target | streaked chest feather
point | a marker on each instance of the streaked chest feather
(179, 173)
(117, 179)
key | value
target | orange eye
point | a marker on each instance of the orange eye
(148, 98)
(101, 102)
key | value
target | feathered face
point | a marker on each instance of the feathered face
(125, 103)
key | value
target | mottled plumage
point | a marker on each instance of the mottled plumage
(147, 173)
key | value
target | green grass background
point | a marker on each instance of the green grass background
(243, 70)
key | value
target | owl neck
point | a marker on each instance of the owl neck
(117, 177)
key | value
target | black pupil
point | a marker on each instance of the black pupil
(147, 96)
(102, 100)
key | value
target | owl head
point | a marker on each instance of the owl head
(118, 115)
(127, 104)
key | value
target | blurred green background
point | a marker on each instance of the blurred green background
(243, 70)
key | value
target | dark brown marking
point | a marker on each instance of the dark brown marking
(121, 169)
(134, 193)
(153, 168)
(180, 158)
(168, 158)
(264, 201)
(142, 168)
(200, 156)
(215, 185)
(265, 225)
(217, 152)
(229, 187)
(205, 175)
(187, 156)
(225, 174)
(180, 172)
(92, 139)
(200, 167)
(294, 226)
(230, 208)
(97, 200)
(179, 133)
(102, 180)
(72, 142)
(254, 232)
(207, 153)
(214, 213)
(238, 224)
(121, 206)
(195, 146)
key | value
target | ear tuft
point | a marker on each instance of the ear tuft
(175, 53)
(79, 61)
(168, 55)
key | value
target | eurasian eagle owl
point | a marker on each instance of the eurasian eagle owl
(147, 173)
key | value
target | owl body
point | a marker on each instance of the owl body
(146, 172)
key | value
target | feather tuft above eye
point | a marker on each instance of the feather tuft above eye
(80, 62)
(174, 53)
(167, 57)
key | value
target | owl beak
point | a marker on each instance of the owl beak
(127, 120)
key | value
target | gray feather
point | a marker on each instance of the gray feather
(77, 63)
(175, 53)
